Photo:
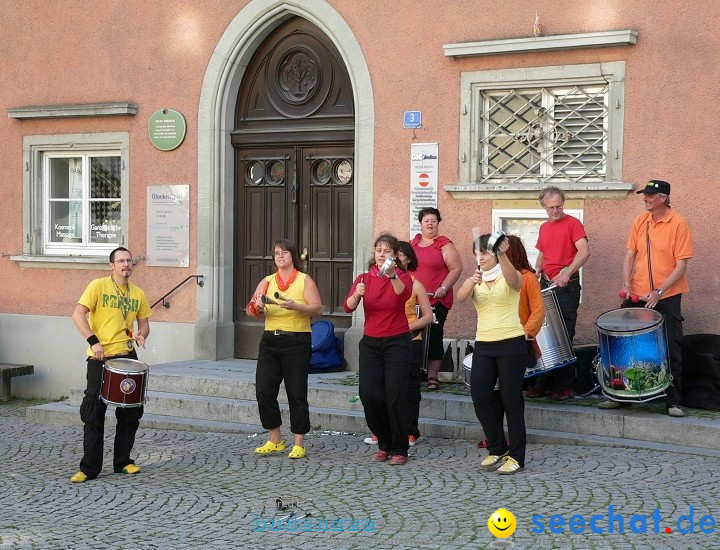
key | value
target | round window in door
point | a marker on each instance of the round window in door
(321, 172)
(343, 171)
(254, 173)
(276, 172)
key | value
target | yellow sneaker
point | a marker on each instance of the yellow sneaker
(491, 462)
(80, 477)
(509, 466)
(131, 469)
(270, 447)
(297, 452)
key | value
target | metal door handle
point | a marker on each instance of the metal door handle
(304, 254)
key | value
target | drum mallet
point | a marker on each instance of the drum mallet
(633, 297)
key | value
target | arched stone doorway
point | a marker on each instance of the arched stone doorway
(214, 327)
(294, 150)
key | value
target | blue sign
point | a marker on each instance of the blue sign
(413, 119)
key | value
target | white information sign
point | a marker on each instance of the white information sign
(423, 181)
(168, 229)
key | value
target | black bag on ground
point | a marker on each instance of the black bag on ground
(701, 371)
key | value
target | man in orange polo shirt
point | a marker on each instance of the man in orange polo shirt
(659, 280)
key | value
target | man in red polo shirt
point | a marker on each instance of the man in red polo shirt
(563, 249)
(659, 277)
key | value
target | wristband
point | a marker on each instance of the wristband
(660, 292)
(92, 340)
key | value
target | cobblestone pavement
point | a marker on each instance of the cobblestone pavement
(209, 490)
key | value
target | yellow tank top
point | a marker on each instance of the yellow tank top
(497, 311)
(277, 318)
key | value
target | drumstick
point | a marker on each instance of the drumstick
(266, 300)
(476, 233)
(279, 296)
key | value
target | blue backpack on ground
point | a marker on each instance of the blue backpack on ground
(326, 348)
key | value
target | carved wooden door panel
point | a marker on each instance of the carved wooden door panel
(294, 142)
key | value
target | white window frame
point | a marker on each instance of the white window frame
(537, 215)
(562, 76)
(36, 152)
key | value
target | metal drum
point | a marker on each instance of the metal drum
(124, 382)
(467, 371)
(633, 364)
(553, 339)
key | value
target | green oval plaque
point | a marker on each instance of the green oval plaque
(167, 129)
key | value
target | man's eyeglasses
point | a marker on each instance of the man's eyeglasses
(554, 207)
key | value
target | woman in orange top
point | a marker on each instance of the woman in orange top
(532, 307)
(408, 261)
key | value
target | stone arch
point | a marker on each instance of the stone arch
(214, 253)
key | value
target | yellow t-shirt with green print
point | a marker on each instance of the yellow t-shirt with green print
(106, 304)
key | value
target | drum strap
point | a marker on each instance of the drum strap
(647, 235)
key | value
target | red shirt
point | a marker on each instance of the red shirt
(384, 310)
(557, 243)
(432, 269)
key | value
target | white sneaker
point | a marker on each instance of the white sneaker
(372, 440)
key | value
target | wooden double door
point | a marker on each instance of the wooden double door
(294, 171)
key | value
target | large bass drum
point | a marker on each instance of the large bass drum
(553, 339)
(633, 364)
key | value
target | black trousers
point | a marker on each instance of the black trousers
(671, 309)
(414, 396)
(92, 413)
(491, 361)
(285, 357)
(569, 301)
(384, 376)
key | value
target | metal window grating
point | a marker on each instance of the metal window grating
(546, 135)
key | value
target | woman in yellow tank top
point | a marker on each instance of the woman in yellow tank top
(500, 353)
(287, 298)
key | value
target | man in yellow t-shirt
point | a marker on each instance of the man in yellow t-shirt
(113, 305)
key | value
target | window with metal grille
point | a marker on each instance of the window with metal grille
(526, 128)
(552, 135)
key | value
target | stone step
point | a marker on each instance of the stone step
(66, 414)
(224, 391)
(332, 401)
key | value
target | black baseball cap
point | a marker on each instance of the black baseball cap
(655, 186)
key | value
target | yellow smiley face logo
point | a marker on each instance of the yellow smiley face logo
(501, 523)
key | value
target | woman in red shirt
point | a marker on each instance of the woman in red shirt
(384, 350)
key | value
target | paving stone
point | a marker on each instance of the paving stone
(210, 490)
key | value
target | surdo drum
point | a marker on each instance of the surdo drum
(124, 382)
(553, 339)
(467, 371)
(633, 363)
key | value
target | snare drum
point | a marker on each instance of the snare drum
(467, 371)
(553, 339)
(124, 382)
(633, 365)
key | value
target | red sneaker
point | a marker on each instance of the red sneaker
(380, 456)
(537, 391)
(398, 460)
(563, 395)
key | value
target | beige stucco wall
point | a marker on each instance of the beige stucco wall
(157, 55)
